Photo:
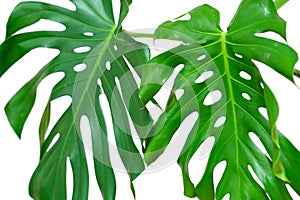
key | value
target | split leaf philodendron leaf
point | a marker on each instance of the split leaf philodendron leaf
(95, 58)
(220, 82)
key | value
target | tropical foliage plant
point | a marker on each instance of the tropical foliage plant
(101, 60)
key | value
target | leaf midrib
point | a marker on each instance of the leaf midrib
(234, 117)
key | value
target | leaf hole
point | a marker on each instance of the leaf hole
(220, 122)
(246, 96)
(202, 57)
(89, 34)
(86, 134)
(212, 97)
(263, 112)
(154, 110)
(65, 4)
(245, 75)
(179, 93)
(259, 144)
(82, 49)
(53, 141)
(199, 160)
(80, 67)
(262, 85)
(116, 161)
(255, 177)
(238, 55)
(178, 68)
(218, 173)
(69, 178)
(115, 47)
(166, 89)
(291, 190)
(271, 35)
(184, 17)
(175, 146)
(108, 66)
(99, 83)
(204, 76)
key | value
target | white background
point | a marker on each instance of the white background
(20, 157)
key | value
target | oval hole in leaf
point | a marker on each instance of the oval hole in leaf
(69, 178)
(259, 144)
(108, 66)
(246, 96)
(179, 93)
(218, 173)
(80, 67)
(255, 177)
(89, 34)
(204, 76)
(245, 75)
(199, 160)
(82, 49)
(202, 57)
(263, 112)
(238, 55)
(262, 85)
(86, 134)
(220, 122)
(212, 97)
(115, 47)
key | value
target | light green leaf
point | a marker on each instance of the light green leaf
(218, 67)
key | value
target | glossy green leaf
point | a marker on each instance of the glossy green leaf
(100, 64)
(220, 81)
(44, 124)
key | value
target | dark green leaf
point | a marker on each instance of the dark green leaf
(91, 26)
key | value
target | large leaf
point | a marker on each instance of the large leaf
(91, 26)
(218, 65)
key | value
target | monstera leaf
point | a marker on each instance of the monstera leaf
(219, 81)
(94, 56)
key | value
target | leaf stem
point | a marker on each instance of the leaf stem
(280, 3)
(140, 35)
(297, 73)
